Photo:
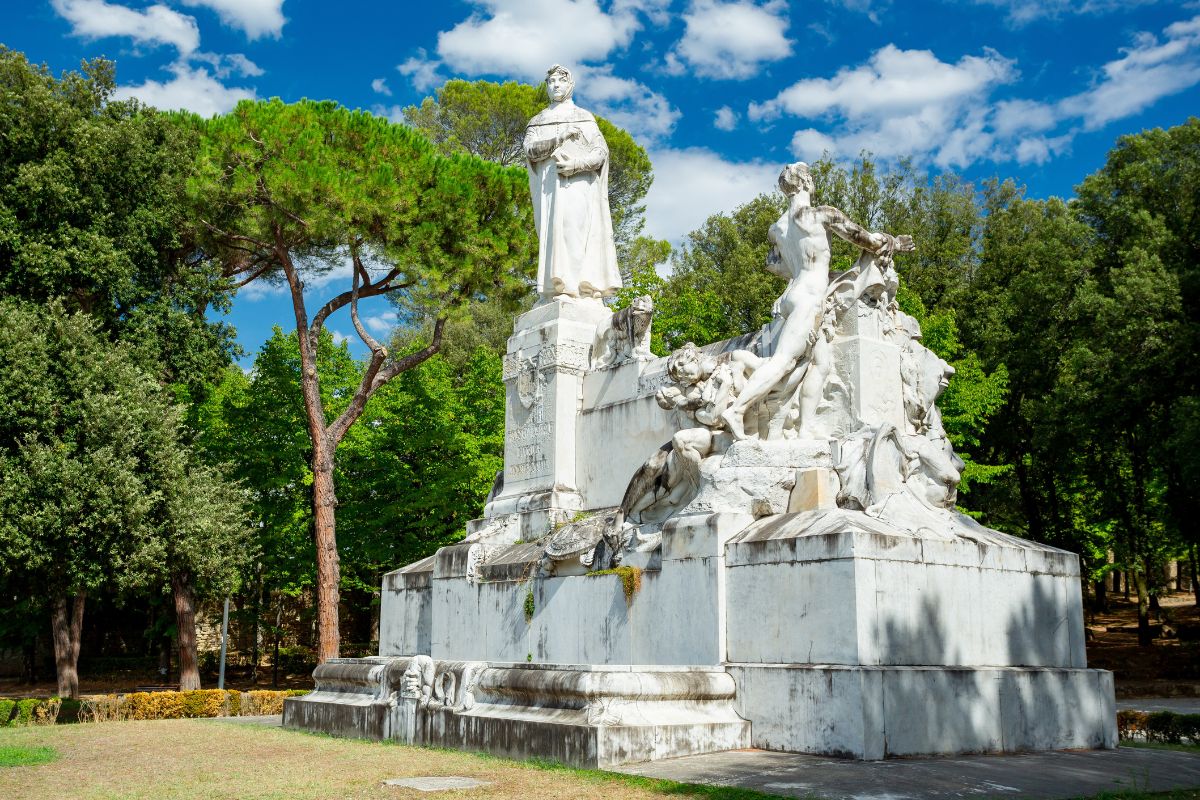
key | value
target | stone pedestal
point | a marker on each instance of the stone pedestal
(586, 716)
(548, 356)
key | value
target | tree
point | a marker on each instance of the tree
(279, 183)
(91, 465)
(91, 213)
(1139, 323)
(488, 120)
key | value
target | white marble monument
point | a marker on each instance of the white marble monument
(749, 543)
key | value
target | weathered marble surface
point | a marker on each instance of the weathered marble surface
(582, 715)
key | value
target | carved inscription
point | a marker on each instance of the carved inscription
(528, 445)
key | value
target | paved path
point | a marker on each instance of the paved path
(1046, 776)
(1180, 705)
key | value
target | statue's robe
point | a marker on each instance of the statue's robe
(576, 254)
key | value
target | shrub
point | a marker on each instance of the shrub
(200, 703)
(1131, 724)
(1162, 726)
(29, 711)
(106, 708)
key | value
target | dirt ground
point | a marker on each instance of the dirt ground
(1169, 668)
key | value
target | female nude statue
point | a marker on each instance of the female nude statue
(802, 249)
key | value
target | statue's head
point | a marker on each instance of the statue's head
(685, 366)
(794, 178)
(560, 85)
(642, 304)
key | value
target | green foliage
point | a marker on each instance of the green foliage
(1165, 727)
(91, 214)
(196, 704)
(276, 181)
(255, 425)
(16, 755)
(631, 579)
(83, 434)
(29, 711)
(529, 606)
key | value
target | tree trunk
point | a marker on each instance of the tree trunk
(254, 644)
(185, 622)
(1195, 576)
(1100, 602)
(67, 627)
(328, 565)
(278, 634)
(1144, 637)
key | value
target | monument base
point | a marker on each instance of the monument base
(878, 712)
(583, 715)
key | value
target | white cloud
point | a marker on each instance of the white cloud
(256, 18)
(893, 82)
(191, 89)
(726, 119)
(909, 103)
(156, 25)
(1016, 116)
(423, 71)
(383, 322)
(900, 103)
(1039, 149)
(692, 184)
(810, 144)
(522, 38)
(225, 65)
(379, 86)
(731, 39)
(339, 337)
(1148, 71)
(1023, 12)
(626, 103)
(393, 113)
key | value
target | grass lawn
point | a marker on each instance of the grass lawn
(214, 759)
(22, 756)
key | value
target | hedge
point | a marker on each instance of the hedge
(200, 703)
(1161, 726)
(143, 705)
(29, 711)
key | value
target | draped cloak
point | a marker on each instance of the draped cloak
(576, 254)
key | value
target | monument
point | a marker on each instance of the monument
(748, 543)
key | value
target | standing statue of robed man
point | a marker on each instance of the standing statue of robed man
(568, 179)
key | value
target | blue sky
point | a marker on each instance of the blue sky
(720, 92)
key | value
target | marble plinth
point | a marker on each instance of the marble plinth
(583, 715)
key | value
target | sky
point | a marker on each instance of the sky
(721, 93)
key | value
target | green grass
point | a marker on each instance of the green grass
(18, 756)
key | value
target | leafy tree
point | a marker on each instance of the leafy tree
(91, 213)
(91, 469)
(284, 188)
(488, 120)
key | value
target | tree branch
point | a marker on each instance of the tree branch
(381, 286)
(376, 377)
